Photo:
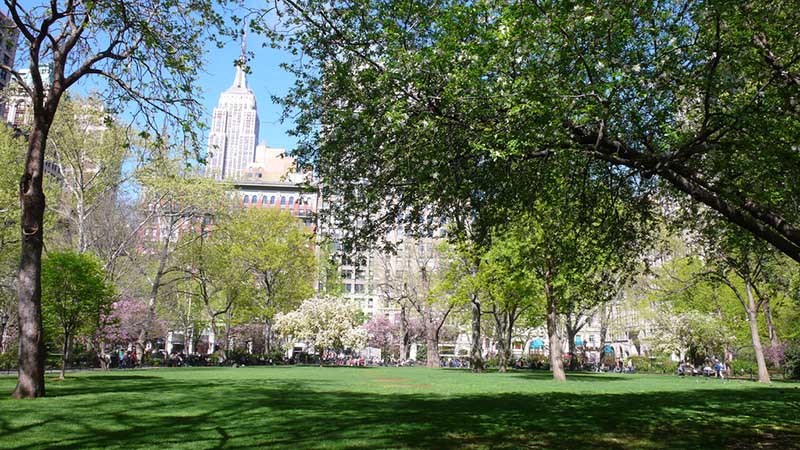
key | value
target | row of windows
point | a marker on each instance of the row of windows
(254, 199)
(355, 288)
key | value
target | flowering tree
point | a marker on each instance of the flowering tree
(324, 322)
(127, 319)
(384, 334)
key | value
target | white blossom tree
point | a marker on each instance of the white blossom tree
(324, 323)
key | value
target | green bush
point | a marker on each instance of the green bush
(792, 360)
(742, 366)
(658, 364)
(9, 359)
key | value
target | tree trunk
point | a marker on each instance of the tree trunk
(774, 341)
(103, 360)
(405, 352)
(151, 304)
(215, 330)
(503, 344)
(432, 341)
(475, 354)
(603, 334)
(30, 382)
(267, 336)
(507, 337)
(228, 319)
(573, 350)
(64, 355)
(556, 360)
(752, 318)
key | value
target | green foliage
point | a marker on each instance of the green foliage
(792, 360)
(661, 364)
(74, 294)
(10, 358)
(278, 252)
(744, 367)
(88, 148)
(446, 104)
(11, 155)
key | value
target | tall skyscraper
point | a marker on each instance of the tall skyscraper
(234, 128)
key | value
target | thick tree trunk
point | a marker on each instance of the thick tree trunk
(752, 318)
(573, 350)
(503, 340)
(215, 330)
(432, 341)
(774, 340)
(476, 353)
(102, 356)
(556, 358)
(30, 382)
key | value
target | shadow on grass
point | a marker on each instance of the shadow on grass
(572, 377)
(257, 413)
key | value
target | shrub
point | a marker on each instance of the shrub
(9, 359)
(792, 360)
(654, 364)
(743, 366)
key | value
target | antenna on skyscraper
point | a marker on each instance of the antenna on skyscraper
(244, 45)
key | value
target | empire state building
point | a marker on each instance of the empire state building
(234, 129)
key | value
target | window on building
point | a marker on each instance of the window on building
(283, 200)
(291, 200)
(246, 200)
(359, 288)
(263, 199)
(369, 303)
(272, 200)
(348, 287)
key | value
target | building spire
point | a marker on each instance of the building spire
(241, 81)
(244, 45)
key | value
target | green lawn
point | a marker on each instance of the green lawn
(308, 407)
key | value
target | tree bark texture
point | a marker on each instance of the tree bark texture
(30, 381)
(556, 357)
(406, 345)
(573, 350)
(65, 356)
(774, 340)
(752, 318)
(476, 353)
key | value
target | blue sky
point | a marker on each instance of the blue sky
(266, 79)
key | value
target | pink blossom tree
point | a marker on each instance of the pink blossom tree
(128, 317)
(383, 334)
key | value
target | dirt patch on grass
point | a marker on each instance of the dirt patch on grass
(390, 380)
(410, 386)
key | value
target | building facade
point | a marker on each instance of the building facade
(234, 129)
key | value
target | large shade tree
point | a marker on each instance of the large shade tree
(147, 53)
(277, 250)
(431, 98)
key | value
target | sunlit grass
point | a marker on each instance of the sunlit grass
(309, 407)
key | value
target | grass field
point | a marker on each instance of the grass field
(308, 407)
